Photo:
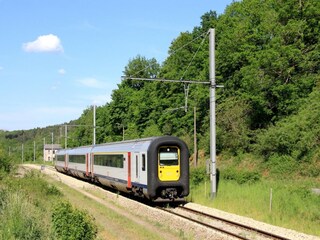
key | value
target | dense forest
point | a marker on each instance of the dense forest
(267, 59)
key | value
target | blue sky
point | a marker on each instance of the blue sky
(59, 57)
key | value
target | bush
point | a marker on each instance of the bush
(282, 166)
(5, 164)
(198, 175)
(240, 176)
(70, 223)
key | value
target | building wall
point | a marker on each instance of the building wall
(49, 152)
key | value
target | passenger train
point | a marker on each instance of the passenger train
(154, 168)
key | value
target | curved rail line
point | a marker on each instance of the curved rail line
(226, 221)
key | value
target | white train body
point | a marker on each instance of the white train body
(152, 167)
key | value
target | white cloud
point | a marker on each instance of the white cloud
(62, 71)
(1, 68)
(92, 83)
(44, 43)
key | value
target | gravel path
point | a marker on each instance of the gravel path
(150, 217)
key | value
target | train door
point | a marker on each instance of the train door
(87, 164)
(91, 162)
(135, 169)
(143, 168)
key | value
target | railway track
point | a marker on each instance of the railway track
(197, 220)
(225, 226)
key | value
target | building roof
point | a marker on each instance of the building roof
(52, 146)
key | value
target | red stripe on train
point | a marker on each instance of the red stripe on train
(129, 170)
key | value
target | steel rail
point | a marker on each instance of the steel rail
(236, 224)
(205, 224)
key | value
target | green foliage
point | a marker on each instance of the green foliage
(25, 206)
(264, 57)
(234, 125)
(70, 223)
(282, 166)
(198, 175)
(240, 176)
(296, 136)
(6, 164)
(19, 218)
(33, 182)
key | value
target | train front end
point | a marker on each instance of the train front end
(168, 175)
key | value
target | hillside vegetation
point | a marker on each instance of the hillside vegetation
(267, 113)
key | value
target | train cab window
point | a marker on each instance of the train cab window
(168, 156)
(143, 162)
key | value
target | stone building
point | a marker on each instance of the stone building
(49, 151)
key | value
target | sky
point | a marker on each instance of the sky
(59, 57)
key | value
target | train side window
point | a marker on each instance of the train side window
(143, 162)
(137, 171)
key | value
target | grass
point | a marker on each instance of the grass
(110, 223)
(293, 204)
(25, 205)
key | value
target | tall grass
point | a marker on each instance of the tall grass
(25, 206)
(19, 218)
(27, 211)
(293, 204)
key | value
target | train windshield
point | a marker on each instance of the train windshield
(168, 156)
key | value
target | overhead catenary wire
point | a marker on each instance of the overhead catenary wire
(186, 85)
(173, 53)
(186, 82)
(194, 55)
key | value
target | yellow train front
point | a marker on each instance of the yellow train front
(153, 168)
(168, 174)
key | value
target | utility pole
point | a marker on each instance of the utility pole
(195, 150)
(52, 146)
(212, 113)
(94, 125)
(65, 136)
(44, 145)
(22, 153)
(34, 151)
